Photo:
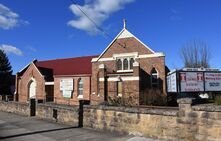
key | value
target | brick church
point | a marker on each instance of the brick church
(126, 69)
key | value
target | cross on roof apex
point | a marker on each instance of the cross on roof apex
(124, 21)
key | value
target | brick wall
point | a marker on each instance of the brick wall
(127, 45)
(59, 99)
(146, 65)
(24, 81)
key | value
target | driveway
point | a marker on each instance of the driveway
(15, 127)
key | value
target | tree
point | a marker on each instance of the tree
(196, 54)
(5, 74)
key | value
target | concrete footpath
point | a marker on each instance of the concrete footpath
(15, 127)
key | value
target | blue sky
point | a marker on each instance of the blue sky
(49, 29)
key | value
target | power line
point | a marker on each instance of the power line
(93, 22)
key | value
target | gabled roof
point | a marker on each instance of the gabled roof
(124, 33)
(66, 66)
(22, 71)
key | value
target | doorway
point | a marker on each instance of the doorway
(32, 89)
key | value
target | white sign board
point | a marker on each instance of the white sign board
(67, 94)
(191, 81)
(66, 84)
(172, 83)
(212, 81)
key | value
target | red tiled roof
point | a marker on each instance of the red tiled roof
(68, 66)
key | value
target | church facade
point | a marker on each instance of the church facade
(126, 69)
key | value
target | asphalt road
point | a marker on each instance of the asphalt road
(19, 128)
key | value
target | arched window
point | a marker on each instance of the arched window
(154, 78)
(131, 63)
(125, 64)
(80, 86)
(119, 64)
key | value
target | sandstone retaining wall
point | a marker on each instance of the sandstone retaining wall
(59, 113)
(188, 123)
(15, 107)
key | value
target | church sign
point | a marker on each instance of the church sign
(212, 81)
(66, 87)
(191, 82)
(194, 80)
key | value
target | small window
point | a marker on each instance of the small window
(131, 63)
(119, 64)
(125, 64)
(80, 87)
(154, 78)
(119, 88)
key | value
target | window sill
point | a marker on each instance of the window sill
(124, 70)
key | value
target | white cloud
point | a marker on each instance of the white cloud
(9, 19)
(98, 10)
(11, 49)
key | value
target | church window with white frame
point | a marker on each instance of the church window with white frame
(125, 64)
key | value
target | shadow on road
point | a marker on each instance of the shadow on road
(35, 132)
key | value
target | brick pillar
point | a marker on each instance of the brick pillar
(136, 82)
(102, 92)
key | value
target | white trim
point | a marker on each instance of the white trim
(157, 54)
(94, 59)
(27, 65)
(124, 70)
(131, 78)
(125, 34)
(172, 71)
(80, 96)
(49, 83)
(102, 59)
(123, 30)
(37, 69)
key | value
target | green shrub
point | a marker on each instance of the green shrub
(153, 97)
(115, 101)
(128, 99)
